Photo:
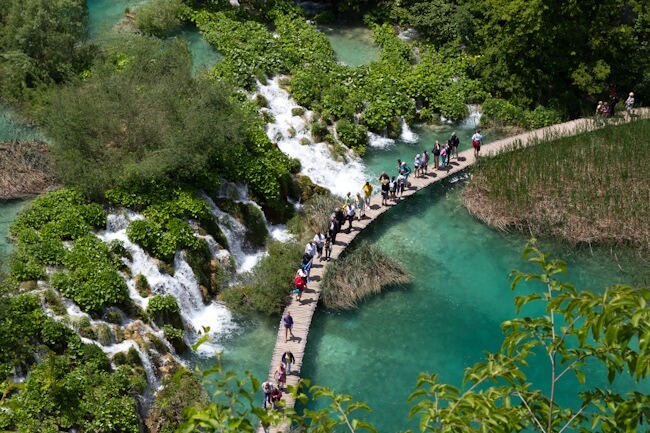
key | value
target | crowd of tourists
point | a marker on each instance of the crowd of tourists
(607, 109)
(354, 207)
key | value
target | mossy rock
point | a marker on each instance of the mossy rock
(28, 286)
(261, 101)
(394, 129)
(104, 334)
(163, 310)
(176, 338)
(199, 260)
(142, 285)
(297, 111)
(157, 344)
(251, 218)
(53, 301)
(85, 328)
(164, 268)
(113, 315)
(308, 188)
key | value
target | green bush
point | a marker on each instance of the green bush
(164, 309)
(176, 337)
(159, 17)
(352, 135)
(142, 285)
(502, 112)
(297, 111)
(270, 282)
(319, 131)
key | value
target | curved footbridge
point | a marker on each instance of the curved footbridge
(302, 311)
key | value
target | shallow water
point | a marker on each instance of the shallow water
(444, 320)
(11, 128)
(8, 212)
(353, 46)
(104, 14)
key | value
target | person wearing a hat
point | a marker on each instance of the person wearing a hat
(629, 102)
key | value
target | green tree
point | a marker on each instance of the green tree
(577, 331)
(41, 42)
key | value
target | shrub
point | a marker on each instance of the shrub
(352, 135)
(176, 337)
(319, 131)
(104, 334)
(164, 309)
(270, 281)
(261, 101)
(159, 17)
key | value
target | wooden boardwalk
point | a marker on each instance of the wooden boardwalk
(303, 311)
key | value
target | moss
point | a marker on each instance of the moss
(165, 268)
(114, 315)
(199, 260)
(308, 188)
(54, 302)
(104, 334)
(175, 336)
(142, 285)
(297, 111)
(157, 344)
(85, 328)
(133, 357)
(163, 309)
(261, 101)
(251, 218)
(28, 286)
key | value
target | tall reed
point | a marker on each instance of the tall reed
(358, 274)
(593, 187)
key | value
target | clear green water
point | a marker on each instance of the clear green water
(8, 212)
(11, 128)
(353, 46)
(104, 14)
(444, 320)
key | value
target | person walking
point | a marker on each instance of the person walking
(629, 102)
(287, 360)
(281, 376)
(300, 284)
(328, 248)
(401, 183)
(288, 325)
(350, 212)
(319, 240)
(361, 206)
(385, 188)
(367, 193)
(443, 155)
(436, 154)
(477, 141)
(348, 199)
(425, 162)
(333, 229)
(276, 396)
(267, 387)
(416, 165)
(392, 188)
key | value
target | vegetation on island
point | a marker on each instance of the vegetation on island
(575, 335)
(591, 188)
(358, 274)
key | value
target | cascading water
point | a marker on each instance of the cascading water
(474, 117)
(290, 132)
(407, 135)
(183, 285)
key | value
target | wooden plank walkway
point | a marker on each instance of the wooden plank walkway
(302, 311)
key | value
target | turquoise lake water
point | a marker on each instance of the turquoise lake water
(353, 46)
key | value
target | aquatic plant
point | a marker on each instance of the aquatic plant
(590, 188)
(358, 274)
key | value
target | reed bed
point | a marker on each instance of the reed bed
(360, 273)
(24, 169)
(589, 188)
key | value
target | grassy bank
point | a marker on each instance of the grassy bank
(359, 274)
(591, 188)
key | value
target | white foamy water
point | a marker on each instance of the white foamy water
(183, 285)
(316, 160)
(474, 117)
(407, 134)
(375, 140)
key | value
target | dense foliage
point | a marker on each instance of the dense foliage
(41, 44)
(269, 284)
(68, 384)
(159, 17)
(589, 188)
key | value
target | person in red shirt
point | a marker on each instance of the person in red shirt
(300, 282)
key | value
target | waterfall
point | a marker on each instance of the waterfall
(407, 135)
(183, 285)
(293, 137)
(376, 140)
(474, 118)
(153, 383)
